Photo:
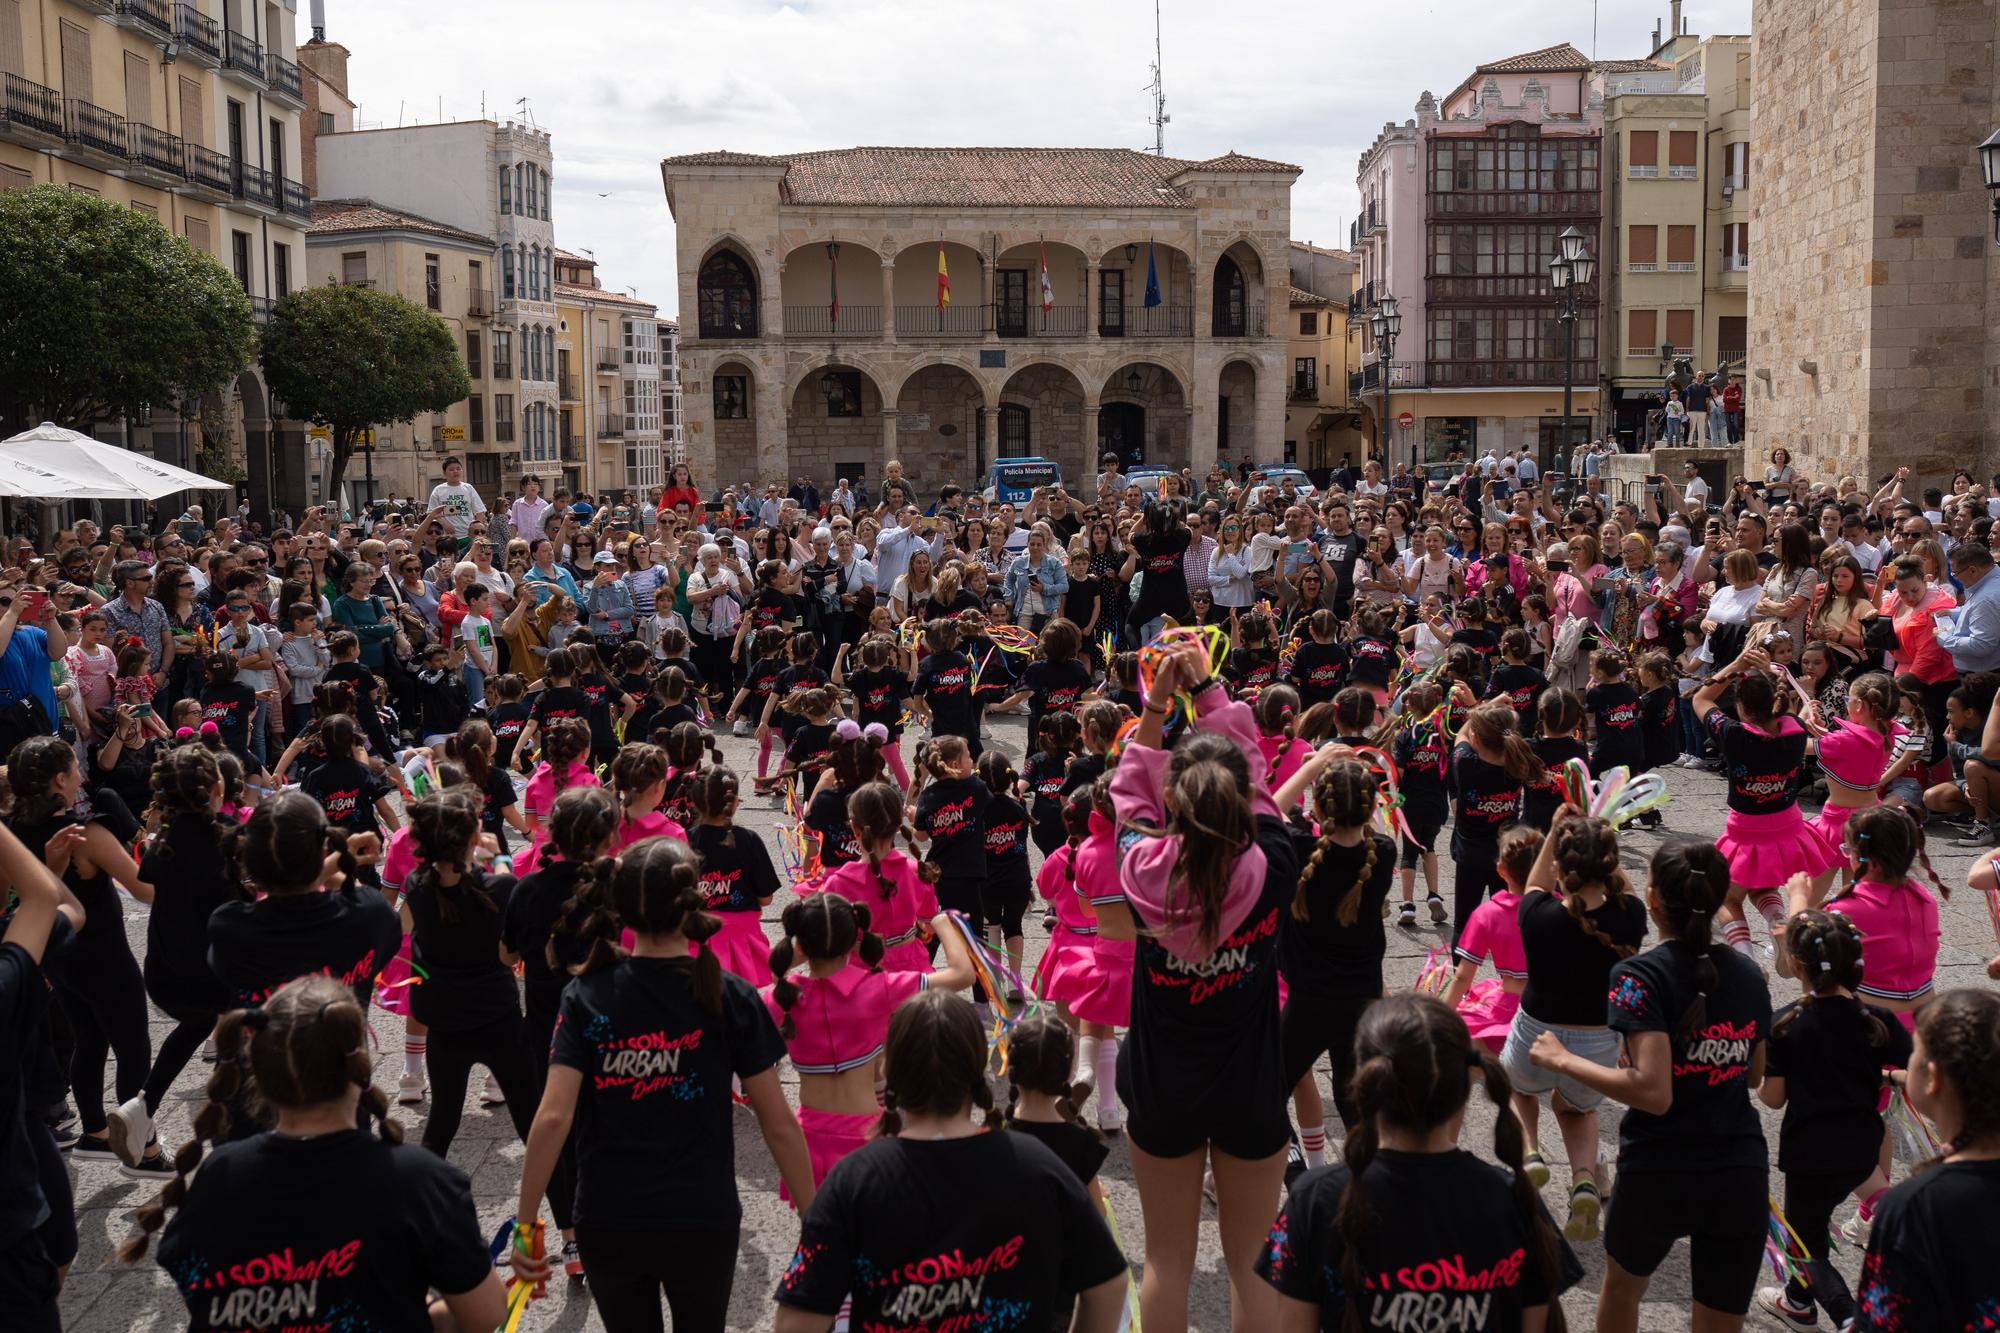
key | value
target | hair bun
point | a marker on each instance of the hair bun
(876, 733)
(210, 729)
(847, 730)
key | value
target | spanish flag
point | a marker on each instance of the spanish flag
(944, 279)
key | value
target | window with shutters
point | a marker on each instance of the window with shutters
(354, 268)
(138, 89)
(1643, 160)
(1680, 249)
(1680, 331)
(191, 129)
(433, 284)
(196, 231)
(138, 205)
(11, 58)
(76, 62)
(1642, 249)
(1642, 332)
(281, 271)
(13, 178)
(1309, 324)
(1682, 145)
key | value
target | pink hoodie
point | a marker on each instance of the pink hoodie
(1148, 865)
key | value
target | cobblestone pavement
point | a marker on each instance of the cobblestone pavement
(102, 1297)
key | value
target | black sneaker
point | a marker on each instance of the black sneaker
(1438, 913)
(1406, 916)
(153, 1166)
(66, 1134)
(92, 1148)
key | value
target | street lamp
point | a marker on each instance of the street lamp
(1570, 272)
(1989, 166)
(1386, 323)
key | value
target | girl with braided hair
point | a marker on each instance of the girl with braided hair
(1422, 752)
(1854, 752)
(854, 762)
(97, 982)
(687, 745)
(184, 866)
(1930, 1255)
(950, 808)
(1824, 1069)
(1072, 938)
(639, 777)
(475, 750)
(737, 879)
(896, 1206)
(565, 763)
(228, 1228)
(1408, 1220)
(1691, 1155)
(900, 891)
(834, 1016)
(1492, 767)
(1042, 1097)
(1577, 919)
(1331, 943)
(646, 1045)
(1896, 914)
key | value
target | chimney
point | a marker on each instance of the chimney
(319, 20)
(1678, 26)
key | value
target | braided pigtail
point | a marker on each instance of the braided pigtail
(1343, 798)
(596, 930)
(1827, 955)
(211, 1124)
(1586, 853)
(868, 945)
(783, 989)
(1691, 880)
(875, 813)
(444, 825)
(1544, 1252)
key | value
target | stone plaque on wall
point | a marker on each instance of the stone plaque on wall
(992, 359)
(913, 421)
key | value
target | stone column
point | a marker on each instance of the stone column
(1090, 311)
(889, 301)
(889, 418)
(1089, 427)
(773, 437)
(1201, 414)
(989, 430)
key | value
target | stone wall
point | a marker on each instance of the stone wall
(821, 446)
(937, 424)
(1055, 418)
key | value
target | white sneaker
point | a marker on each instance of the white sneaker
(1856, 1228)
(411, 1089)
(1110, 1115)
(742, 727)
(490, 1095)
(1774, 1303)
(208, 1051)
(130, 1129)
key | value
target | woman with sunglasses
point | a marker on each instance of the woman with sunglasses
(1107, 558)
(189, 621)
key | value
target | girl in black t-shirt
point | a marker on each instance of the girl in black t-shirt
(1561, 713)
(768, 660)
(737, 879)
(1253, 662)
(474, 748)
(784, 713)
(506, 714)
(1056, 680)
(1422, 752)
(646, 1044)
(1330, 945)
(807, 747)
(1319, 663)
(235, 1223)
(879, 690)
(950, 817)
(1516, 683)
(1374, 655)
(354, 798)
(1659, 719)
(854, 761)
(1614, 715)
(1158, 543)
(1003, 825)
(1060, 734)
(1407, 1221)
(230, 705)
(1691, 1155)
(1491, 767)
(896, 1207)
(1042, 1102)
(943, 687)
(1824, 1070)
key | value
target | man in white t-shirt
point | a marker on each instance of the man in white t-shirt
(454, 501)
(1695, 490)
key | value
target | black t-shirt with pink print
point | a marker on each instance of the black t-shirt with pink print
(1488, 800)
(1763, 770)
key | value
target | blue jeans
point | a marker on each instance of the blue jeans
(475, 685)
(1718, 425)
(1673, 430)
(1693, 741)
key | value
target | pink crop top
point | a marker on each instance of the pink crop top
(655, 825)
(1854, 756)
(1899, 937)
(1056, 888)
(841, 1022)
(399, 858)
(1276, 769)
(1494, 931)
(1097, 863)
(540, 797)
(911, 900)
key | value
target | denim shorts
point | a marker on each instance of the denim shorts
(1600, 1046)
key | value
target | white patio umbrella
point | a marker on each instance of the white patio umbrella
(69, 465)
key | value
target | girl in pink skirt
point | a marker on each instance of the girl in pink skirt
(565, 763)
(1073, 940)
(1764, 837)
(834, 1016)
(738, 880)
(1493, 933)
(898, 890)
(1102, 1000)
(1854, 753)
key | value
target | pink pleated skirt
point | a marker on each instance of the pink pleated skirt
(741, 947)
(830, 1136)
(1056, 976)
(1830, 827)
(1488, 1009)
(1104, 984)
(1766, 850)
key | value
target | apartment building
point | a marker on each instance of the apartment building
(1323, 420)
(672, 443)
(480, 179)
(448, 271)
(1676, 257)
(608, 349)
(187, 111)
(948, 306)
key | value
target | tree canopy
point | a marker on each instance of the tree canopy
(104, 312)
(351, 358)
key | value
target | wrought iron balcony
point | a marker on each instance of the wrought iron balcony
(200, 36)
(952, 321)
(297, 202)
(566, 387)
(260, 310)
(154, 155)
(209, 170)
(821, 321)
(153, 16)
(29, 111)
(612, 428)
(607, 361)
(479, 302)
(243, 58)
(255, 186)
(1059, 321)
(283, 76)
(1156, 321)
(93, 130)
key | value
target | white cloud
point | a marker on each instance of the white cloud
(622, 84)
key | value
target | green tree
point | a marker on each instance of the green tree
(351, 358)
(104, 312)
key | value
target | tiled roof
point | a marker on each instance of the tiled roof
(336, 216)
(722, 158)
(1561, 56)
(572, 292)
(573, 257)
(1300, 296)
(1629, 66)
(1235, 161)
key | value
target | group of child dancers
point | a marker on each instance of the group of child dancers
(1221, 832)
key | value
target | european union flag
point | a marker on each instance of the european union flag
(1152, 278)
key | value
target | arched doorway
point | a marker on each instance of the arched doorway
(1041, 415)
(732, 393)
(1142, 416)
(1231, 313)
(1121, 430)
(726, 291)
(940, 418)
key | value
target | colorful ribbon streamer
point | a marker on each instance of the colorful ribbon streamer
(1785, 1252)
(1389, 794)
(1919, 1140)
(1617, 797)
(1435, 977)
(1012, 639)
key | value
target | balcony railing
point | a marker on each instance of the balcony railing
(479, 302)
(1456, 374)
(607, 362)
(928, 321)
(1516, 203)
(1378, 218)
(209, 169)
(566, 386)
(503, 370)
(200, 35)
(1649, 266)
(1490, 287)
(1680, 266)
(503, 432)
(29, 106)
(155, 15)
(283, 77)
(243, 58)
(1683, 173)
(1361, 301)
(1251, 325)
(1402, 375)
(89, 126)
(297, 202)
(1304, 390)
(1679, 353)
(154, 154)
(1643, 171)
(1062, 321)
(254, 185)
(611, 429)
(821, 321)
(1158, 321)
(1736, 263)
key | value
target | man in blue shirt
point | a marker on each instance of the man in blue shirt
(1971, 634)
(26, 654)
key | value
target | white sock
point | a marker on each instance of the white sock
(1085, 1069)
(413, 1056)
(1312, 1142)
(1109, 1112)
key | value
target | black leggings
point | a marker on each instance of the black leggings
(1475, 874)
(1810, 1198)
(1004, 899)
(562, 1179)
(109, 1017)
(1310, 1027)
(964, 896)
(711, 658)
(502, 1047)
(628, 1270)
(191, 1028)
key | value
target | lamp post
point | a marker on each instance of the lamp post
(1570, 272)
(1386, 323)
(1989, 166)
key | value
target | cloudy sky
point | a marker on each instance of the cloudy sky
(621, 83)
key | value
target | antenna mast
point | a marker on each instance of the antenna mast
(1159, 91)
